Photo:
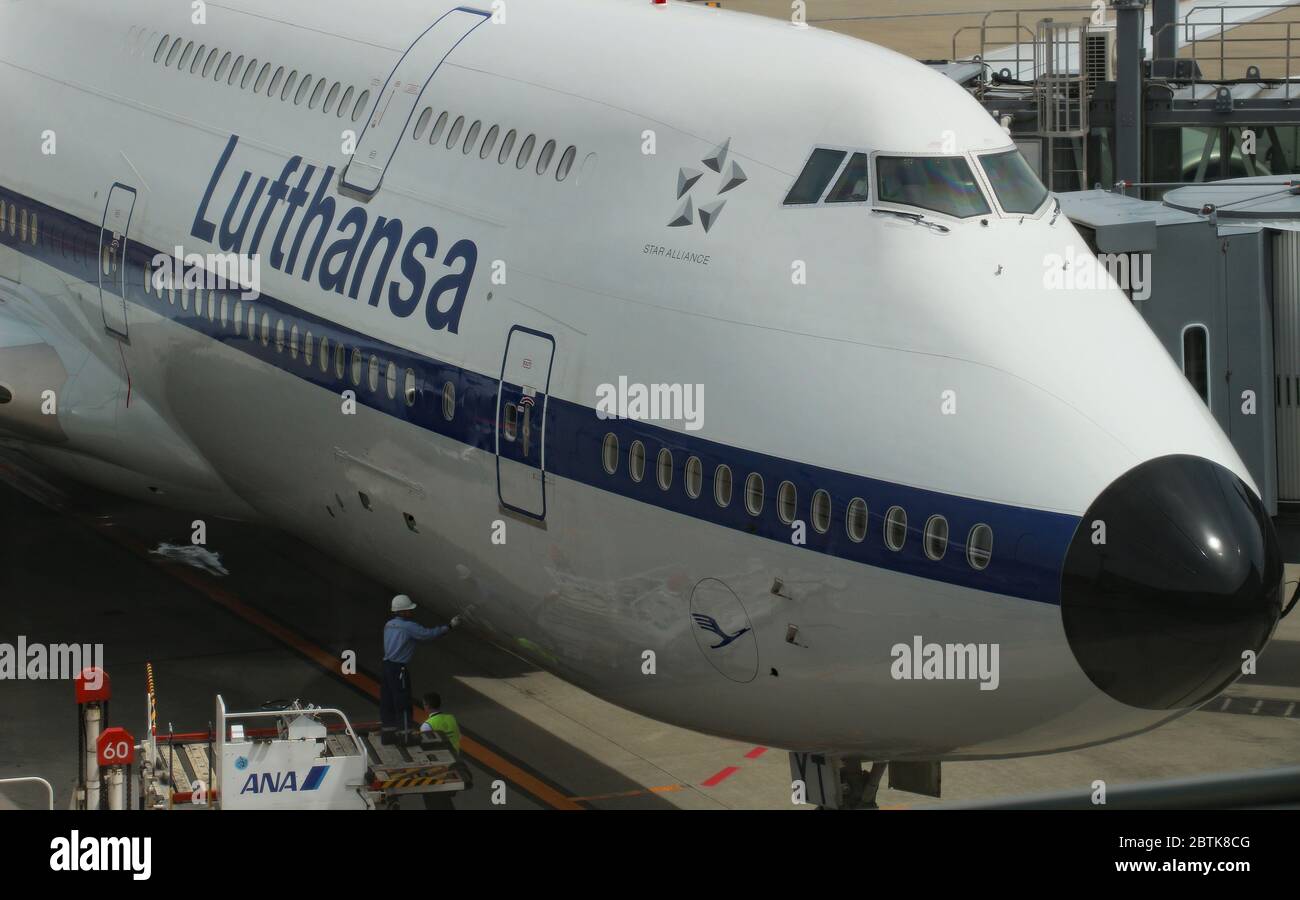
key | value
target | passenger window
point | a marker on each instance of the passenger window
(409, 391)
(315, 94)
(979, 547)
(609, 453)
(665, 469)
(544, 158)
(507, 147)
(489, 142)
(694, 477)
(821, 511)
(722, 486)
(895, 528)
(817, 173)
(448, 401)
(331, 97)
(303, 88)
(509, 424)
(787, 501)
(357, 364)
(438, 128)
(754, 493)
(422, 123)
(566, 163)
(344, 103)
(854, 186)
(471, 138)
(943, 184)
(454, 135)
(373, 376)
(308, 349)
(636, 461)
(855, 520)
(525, 151)
(390, 381)
(936, 537)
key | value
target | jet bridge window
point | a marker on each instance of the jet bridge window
(943, 184)
(1196, 359)
(1014, 182)
(817, 173)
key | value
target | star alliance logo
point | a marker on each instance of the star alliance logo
(732, 177)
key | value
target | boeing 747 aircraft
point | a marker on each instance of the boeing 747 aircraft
(444, 290)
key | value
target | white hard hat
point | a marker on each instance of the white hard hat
(401, 603)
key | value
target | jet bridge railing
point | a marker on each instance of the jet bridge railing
(1227, 44)
(1019, 34)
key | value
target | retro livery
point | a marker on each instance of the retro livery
(468, 219)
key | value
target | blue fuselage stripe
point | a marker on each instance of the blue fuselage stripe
(1029, 545)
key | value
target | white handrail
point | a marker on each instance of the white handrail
(314, 711)
(32, 779)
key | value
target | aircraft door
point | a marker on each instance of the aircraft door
(393, 111)
(113, 233)
(521, 422)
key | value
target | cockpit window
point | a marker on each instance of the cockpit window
(812, 181)
(1017, 187)
(943, 184)
(854, 185)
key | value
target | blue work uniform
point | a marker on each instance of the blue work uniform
(400, 636)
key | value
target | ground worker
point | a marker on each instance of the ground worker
(445, 724)
(442, 722)
(400, 634)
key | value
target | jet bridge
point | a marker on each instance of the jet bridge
(1214, 269)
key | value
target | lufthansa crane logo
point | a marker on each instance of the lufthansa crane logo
(708, 623)
(732, 176)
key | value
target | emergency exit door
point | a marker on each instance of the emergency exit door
(113, 233)
(521, 422)
(395, 107)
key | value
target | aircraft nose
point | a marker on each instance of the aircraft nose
(1173, 574)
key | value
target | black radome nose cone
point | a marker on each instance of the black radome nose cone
(1188, 579)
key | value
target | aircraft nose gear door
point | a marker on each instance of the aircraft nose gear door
(521, 422)
(391, 115)
(112, 258)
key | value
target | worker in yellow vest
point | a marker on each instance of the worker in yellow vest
(440, 721)
(445, 724)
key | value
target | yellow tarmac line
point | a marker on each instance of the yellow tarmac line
(663, 789)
